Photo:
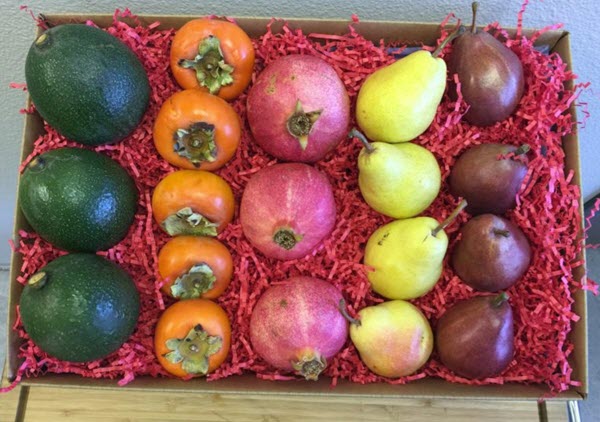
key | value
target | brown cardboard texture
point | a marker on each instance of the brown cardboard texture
(412, 33)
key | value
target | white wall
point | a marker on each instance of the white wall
(580, 18)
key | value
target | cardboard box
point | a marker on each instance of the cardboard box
(425, 388)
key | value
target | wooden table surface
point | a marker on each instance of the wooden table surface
(33, 404)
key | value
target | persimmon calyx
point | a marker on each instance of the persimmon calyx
(196, 143)
(212, 71)
(198, 280)
(193, 350)
(188, 222)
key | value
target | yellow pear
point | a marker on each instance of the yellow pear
(394, 338)
(397, 180)
(405, 256)
(398, 102)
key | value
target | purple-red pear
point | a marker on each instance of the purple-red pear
(490, 74)
(489, 176)
(492, 253)
(474, 338)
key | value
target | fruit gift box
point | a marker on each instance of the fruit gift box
(548, 303)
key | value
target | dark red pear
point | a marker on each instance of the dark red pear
(490, 74)
(474, 338)
(489, 177)
(492, 253)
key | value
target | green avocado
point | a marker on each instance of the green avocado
(86, 84)
(78, 200)
(79, 307)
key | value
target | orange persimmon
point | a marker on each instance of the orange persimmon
(196, 130)
(193, 202)
(194, 266)
(212, 54)
(192, 338)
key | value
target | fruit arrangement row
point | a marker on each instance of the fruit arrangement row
(298, 111)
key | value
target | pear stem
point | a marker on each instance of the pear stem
(499, 299)
(501, 232)
(450, 218)
(354, 133)
(458, 31)
(523, 149)
(344, 312)
(474, 7)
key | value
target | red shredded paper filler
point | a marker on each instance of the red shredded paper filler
(547, 211)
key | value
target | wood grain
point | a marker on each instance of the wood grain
(56, 404)
(8, 405)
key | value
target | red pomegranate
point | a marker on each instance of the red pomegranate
(297, 325)
(287, 210)
(298, 109)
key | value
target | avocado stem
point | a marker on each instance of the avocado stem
(344, 312)
(42, 39)
(474, 7)
(354, 133)
(501, 232)
(38, 280)
(458, 31)
(499, 299)
(38, 163)
(450, 218)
